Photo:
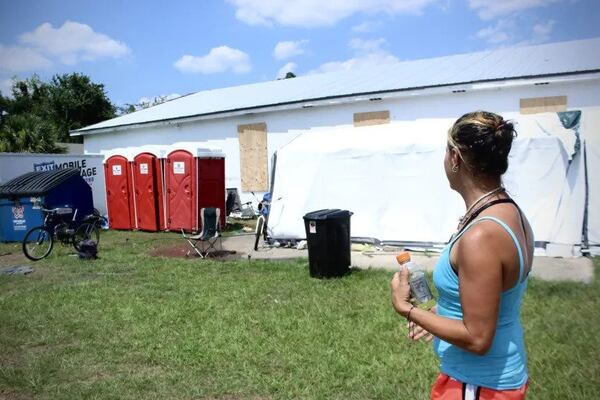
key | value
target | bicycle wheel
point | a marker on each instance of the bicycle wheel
(259, 230)
(265, 229)
(86, 231)
(38, 243)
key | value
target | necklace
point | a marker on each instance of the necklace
(486, 195)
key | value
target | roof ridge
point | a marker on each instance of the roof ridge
(547, 59)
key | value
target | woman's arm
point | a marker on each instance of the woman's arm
(480, 283)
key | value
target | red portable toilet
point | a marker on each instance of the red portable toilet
(195, 178)
(181, 197)
(119, 192)
(148, 186)
(211, 180)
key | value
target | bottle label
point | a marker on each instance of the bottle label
(420, 289)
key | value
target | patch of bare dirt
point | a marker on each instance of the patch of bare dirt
(181, 250)
(12, 395)
(12, 257)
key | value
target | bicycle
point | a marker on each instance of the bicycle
(39, 241)
(89, 228)
(264, 207)
(245, 211)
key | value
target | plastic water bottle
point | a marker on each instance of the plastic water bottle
(419, 287)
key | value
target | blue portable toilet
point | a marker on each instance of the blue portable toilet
(22, 199)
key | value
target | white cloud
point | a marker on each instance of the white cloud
(503, 33)
(367, 53)
(310, 13)
(367, 26)
(73, 42)
(541, 32)
(6, 87)
(497, 34)
(489, 9)
(289, 49)
(218, 59)
(17, 58)
(360, 62)
(289, 67)
(367, 45)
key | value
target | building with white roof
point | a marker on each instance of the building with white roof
(250, 122)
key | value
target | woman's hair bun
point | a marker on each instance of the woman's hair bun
(484, 140)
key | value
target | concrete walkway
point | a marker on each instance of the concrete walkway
(579, 269)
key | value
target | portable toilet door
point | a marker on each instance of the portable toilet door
(119, 199)
(211, 181)
(180, 174)
(147, 186)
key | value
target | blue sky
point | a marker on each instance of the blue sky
(141, 49)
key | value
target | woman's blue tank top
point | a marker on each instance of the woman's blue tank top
(504, 366)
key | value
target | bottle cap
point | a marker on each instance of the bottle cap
(403, 257)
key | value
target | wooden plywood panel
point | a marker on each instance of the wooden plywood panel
(537, 105)
(371, 118)
(253, 157)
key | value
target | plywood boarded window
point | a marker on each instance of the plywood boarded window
(371, 118)
(537, 105)
(253, 157)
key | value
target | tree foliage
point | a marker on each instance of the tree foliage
(28, 133)
(40, 114)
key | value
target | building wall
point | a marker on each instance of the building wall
(283, 126)
(90, 167)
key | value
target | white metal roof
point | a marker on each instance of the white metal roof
(128, 152)
(198, 149)
(157, 150)
(554, 59)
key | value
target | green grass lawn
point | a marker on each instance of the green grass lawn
(130, 326)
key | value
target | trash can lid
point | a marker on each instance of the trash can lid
(329, 213)
(36, 183)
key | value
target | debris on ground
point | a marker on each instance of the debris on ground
(16, 270)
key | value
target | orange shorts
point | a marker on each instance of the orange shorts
(446, 388)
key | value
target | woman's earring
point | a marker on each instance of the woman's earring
(455, 168)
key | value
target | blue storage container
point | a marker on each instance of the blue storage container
(22, 198)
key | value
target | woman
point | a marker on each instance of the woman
(481, 274)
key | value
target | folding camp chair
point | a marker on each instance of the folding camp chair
(204, 241)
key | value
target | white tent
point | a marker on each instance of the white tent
(392, 178)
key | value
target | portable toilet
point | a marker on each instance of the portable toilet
(195, 178)
(119, 189)
(148, 188)
(181, 199)
(211, 180)
(22, 200)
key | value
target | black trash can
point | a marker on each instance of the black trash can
(328, 237)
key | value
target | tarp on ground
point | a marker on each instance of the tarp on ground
(392, 178)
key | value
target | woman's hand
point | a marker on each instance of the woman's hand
(416, 332)
(401, 292)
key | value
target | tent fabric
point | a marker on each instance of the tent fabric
(590, 131)
(568, 220)
(392, 178)
(534, 179)
(375, 172)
